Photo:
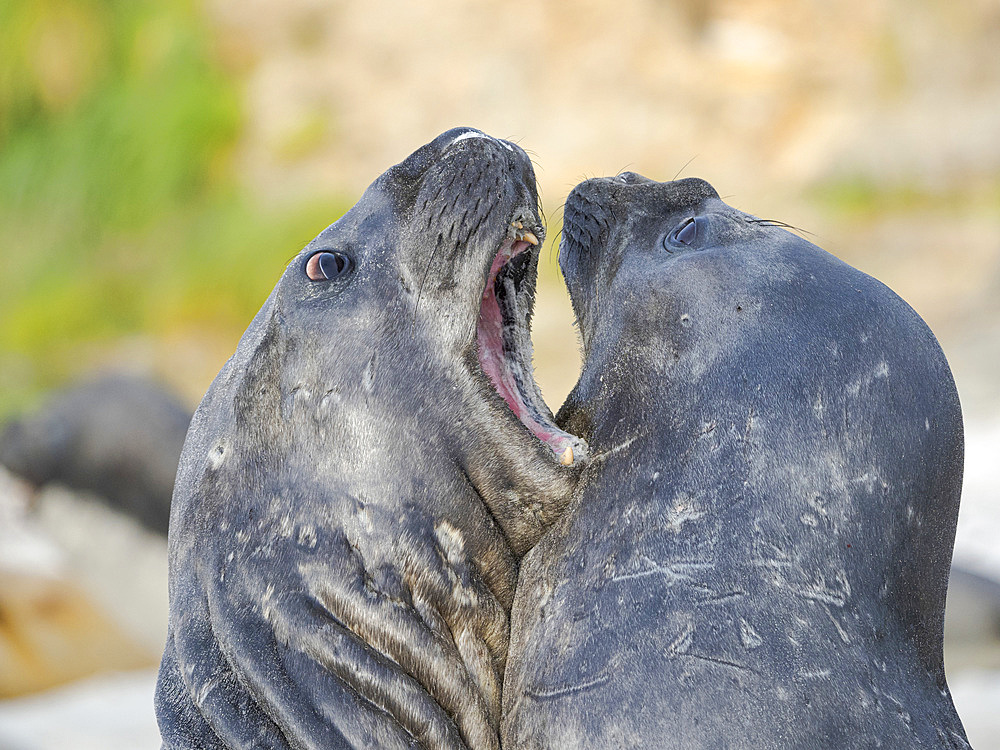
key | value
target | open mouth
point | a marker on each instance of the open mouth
(503, 334)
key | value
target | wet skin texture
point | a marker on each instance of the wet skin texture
(758, 554)
(353, 494)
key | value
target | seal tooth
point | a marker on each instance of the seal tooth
(566, 458)
(530, 238)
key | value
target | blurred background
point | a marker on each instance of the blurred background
(160, 162)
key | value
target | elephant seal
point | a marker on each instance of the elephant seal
(362, 476)
(757, 556)
(118, 436)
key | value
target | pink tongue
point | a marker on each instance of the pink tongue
(490, 339)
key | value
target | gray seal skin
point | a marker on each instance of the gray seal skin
(354, 492)
(757, 555)
(118, 436)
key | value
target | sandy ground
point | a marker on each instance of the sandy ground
(110, 712)
(114, 712)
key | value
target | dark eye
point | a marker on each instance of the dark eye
(687, 233)
(327, 266)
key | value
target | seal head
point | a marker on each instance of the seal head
(758, 553)
(361, 478)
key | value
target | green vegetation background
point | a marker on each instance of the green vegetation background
(120, 213)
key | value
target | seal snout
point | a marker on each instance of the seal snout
(520, 235)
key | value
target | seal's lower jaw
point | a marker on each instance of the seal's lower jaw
(503, 336)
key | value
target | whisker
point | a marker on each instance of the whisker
(686, 165)
(555, 243)
(423, 280)
(776, 223)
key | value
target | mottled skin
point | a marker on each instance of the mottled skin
(758, 555)
(117, 436)
(353, 495)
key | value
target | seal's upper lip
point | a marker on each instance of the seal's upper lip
(504, 339)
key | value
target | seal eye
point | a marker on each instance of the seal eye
(687, 233)
(327, 266)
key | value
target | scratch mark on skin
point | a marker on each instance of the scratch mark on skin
(611, 451)
(900, 710)
(749, 637)
(682, 643)
(825, 594)
(881, 372)
(673, 573)
(368, 376)
(204, 690)
(718, 598)
(682, 510)
(749, 426)
(547, 695)
(840, 630)
(818, 503)
(867, 479)
(717, 660)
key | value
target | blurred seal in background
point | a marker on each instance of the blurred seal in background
(361, 478)
(117, 436)
(758, 555)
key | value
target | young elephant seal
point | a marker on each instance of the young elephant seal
(758, 554)
(362, 476)
(117, 436)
